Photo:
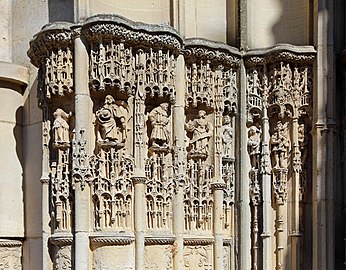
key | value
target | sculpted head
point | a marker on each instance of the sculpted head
(226, 119)
(201, 114)
(164, 106)
(109, 100)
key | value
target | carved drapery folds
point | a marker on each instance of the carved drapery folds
(279, 100)
(128, 140)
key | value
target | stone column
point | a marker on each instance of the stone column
(266, 194)
(180, 164)
(83, 140)
(46, 229)
(139, 189)
(295, 234)
(139, 179)
(218, 236)
(218, 186)
(243, 184)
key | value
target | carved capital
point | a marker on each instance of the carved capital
(61, 239)
(111, 240)
(218, 186)
(139, 180)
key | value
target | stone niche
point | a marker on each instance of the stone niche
(140, 154)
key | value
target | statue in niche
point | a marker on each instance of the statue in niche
(227, 136)
(254, 146)
(201, 130)
(303, 141)
(280, 145)
(61, 128)
(159, 120)
(111, 123)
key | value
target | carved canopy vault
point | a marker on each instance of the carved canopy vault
(140, 147)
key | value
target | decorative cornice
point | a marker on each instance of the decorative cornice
(207, 50)
(110, 27)
(198, 241)
(10, 243)
(159, 240)
(61, 239)
(114, 27)
(52, 37)
(106, 239)
(280, 53)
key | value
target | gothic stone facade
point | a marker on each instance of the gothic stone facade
(159, 151)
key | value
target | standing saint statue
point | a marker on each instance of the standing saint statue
(159, 120)
(280, 145)
(227, 136)
(61, 127)
(110, 122)
(201, 130)
(254, 144)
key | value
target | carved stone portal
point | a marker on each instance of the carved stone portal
(152, 161)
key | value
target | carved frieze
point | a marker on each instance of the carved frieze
(63, 258)
(10, 254)
(198, 257)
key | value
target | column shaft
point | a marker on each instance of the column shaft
(242, 186)
(139, 222)
(266, 198)
(218, 237)
(83, 132)
(179, 132)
